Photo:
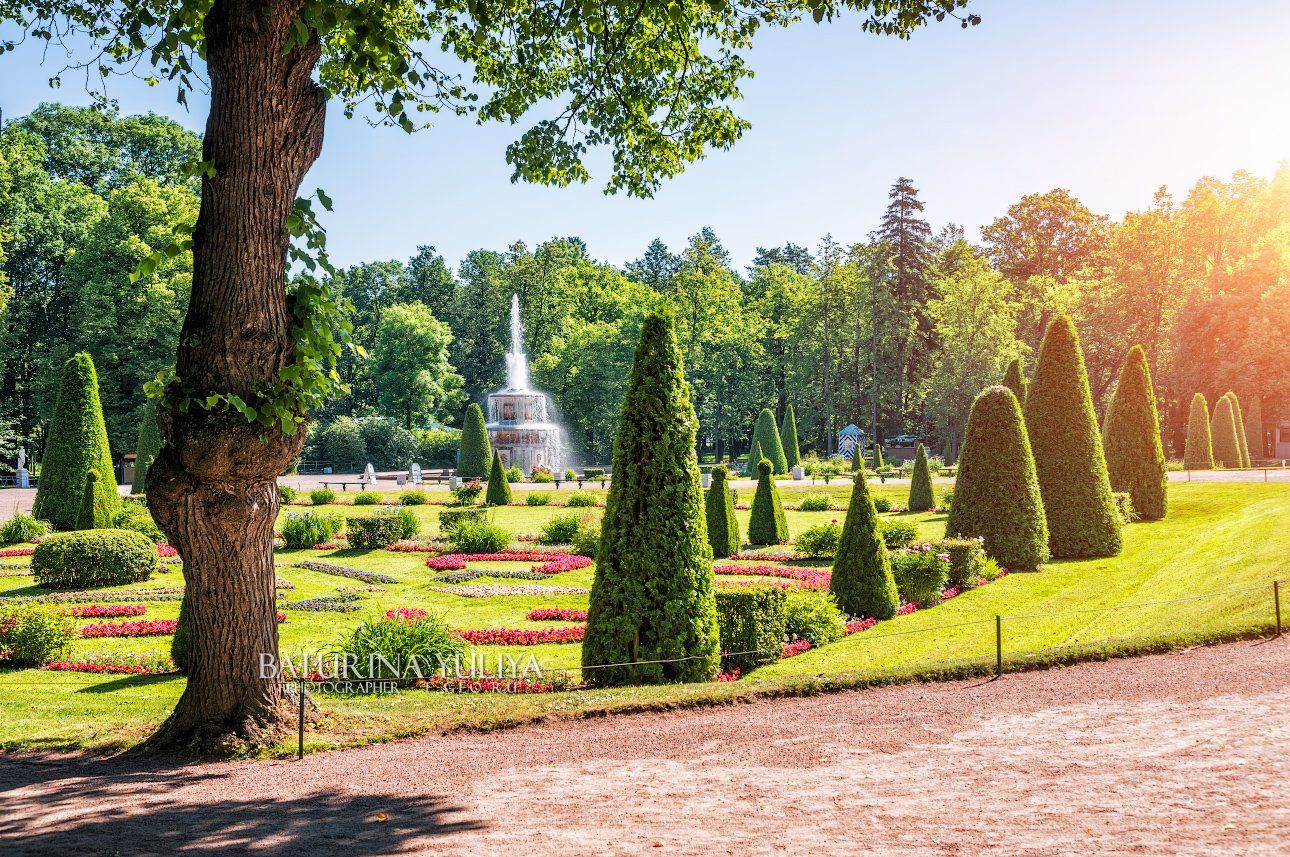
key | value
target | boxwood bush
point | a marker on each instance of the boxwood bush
(450, 519)
(897, 534)
(967, 560)
(920, 574)
(813, 616)
(815, 503)
(366, 498)
(32, 635)
(581, 499)
(560, 530)
(93, 558)
(412, 498)
(286, 494)
(322, 496)
(820, 541)
(537, 498)
(374, 532)
(751, 621)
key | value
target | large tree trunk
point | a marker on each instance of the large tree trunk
(213, 486)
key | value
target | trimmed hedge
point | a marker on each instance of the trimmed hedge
(93, 558)
(1222, 426)
(449, 519)
(146, 448)
(652, 596)
(920, 574)
(1015, 380)
(97, 506)
(751, 620)
(967, 560)
(499, 483)
(788, 439)
(1067, 447)
(862, 581)
(767, 524)
(77, 443)
(813, 616)
(1199, 452)
(996, 495)
(719, 510)
(1135, 457)
(766, 434)
(1241, 440)
(374, 532)
(920, 486)
(475, 455)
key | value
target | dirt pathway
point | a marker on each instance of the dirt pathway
(1175, 754)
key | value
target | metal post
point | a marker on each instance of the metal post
(1276, 603)
(998, 646)
(300, 747)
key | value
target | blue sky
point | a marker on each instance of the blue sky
(1109, 98)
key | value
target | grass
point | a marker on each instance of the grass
(1218, 538)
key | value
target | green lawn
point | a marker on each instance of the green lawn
(1218, 537)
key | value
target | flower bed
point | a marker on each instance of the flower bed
(334, 545)
(489, 591)
(407, 614)
(138, 628)
(855, 626)
(165, 550)
(906, 609)
(144, 664)
(804, 578)
(417, 546)
(280, 582)
(342, 603)
(110, 596)
(23, 551)
(282, 616)
(548, 562)
(795, 648)
(767, 556)
(96, 611)
(556, 614)
(343, 571)
(521, 636)
(476, 573)
(566, 562)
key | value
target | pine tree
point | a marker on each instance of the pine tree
(1135, 458)
(475, 456)
(1015, 380)
(499, 487)
(147, 447)
(1064, 437)
(1222, 427)
(652, 599)
(1254, 429)
(1199, 451)
(96, 504)
(719, 508)
(862, 581)
(77, 443)
(996, 494)
(1239, 419)
(766, 522)
(766, 435)
(920, 486)
(788, 439)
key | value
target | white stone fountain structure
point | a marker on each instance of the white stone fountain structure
(518, 417)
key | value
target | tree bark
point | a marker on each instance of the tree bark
(213, 487)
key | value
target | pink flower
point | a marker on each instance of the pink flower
(548, 562)
(795, 648)
(805, 578)
(407, 614)
(906, 609)
(521, 636)
(556, 614)
(140, 628)
(167, 550)
(95, 611)
(855, 626)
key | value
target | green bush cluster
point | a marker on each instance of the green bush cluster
(412, 498)
(719, 511)
(593, 473)
(862, 581)
(581, 499)
(93, 558)
(537, 498)
(32, 635)
(306, 529)
(897, 534)
(813, 616)
(819, 542)
(586, 541)
(476, 453)
(561, 529)
(499, 483)
(1198, 454)
(752, 624)
(1222, 427)
(766, 435)
(920, 486)
(882, 504)
(967, 560)
(136, 517)
(22, 528)
(374, 532)
(475, 535)
(815, 503)
(920, 574)
(322, 496)
(286, 495)
(767, 524)
(1067, 447)
(437, 447)
(1135, 457)
(366, 498)
(77, 444)
(449, 519)
(381, 648)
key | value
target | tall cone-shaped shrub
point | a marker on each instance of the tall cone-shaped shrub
(146, 448)
(1135, 457)
(1199, 451)
(862, 581)
(1015, 380)
(1254, 429)
(77, 444)
(499, 487)
(474, 459)
(652, 596)
(1239, 419)
(1064, 437)
(766, 435)
(996, 494)
(920, 486)
(96, 504)
(788, 439)
(766, 522)
(719, 509)
(877, 456)
(754, 456)
(1222, 426)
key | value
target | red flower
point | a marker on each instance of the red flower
(167, 550)
(549, 562)
(795, 648)
(140, 628)
(521, 636)
(94, 611)
(546, 614)
(406, 614)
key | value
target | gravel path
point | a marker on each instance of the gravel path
(1173, 754)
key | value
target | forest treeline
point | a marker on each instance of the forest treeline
(898, 329)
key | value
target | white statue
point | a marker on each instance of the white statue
(369, 475)
(22, 458)
(416, 473)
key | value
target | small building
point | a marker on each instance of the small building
(851, 441)
(1281, 443)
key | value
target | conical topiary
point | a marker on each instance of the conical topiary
(1222, 427)
(766, 523)
(788, 439)
(499, 487)
(1239, 419)
(920, 486)
(1064, 437)
(147, 447)
(1254, 429)
(1015, 380)
(1199, 452)
(877, 456)
(96, 505)
(996, 494)
(862, 581)
(719, 508)
(766, 435)
(77, 444)
(754, 456)
(652, 600)
(474, 458)
(1135, 457)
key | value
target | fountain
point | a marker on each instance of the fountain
(519, 427)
